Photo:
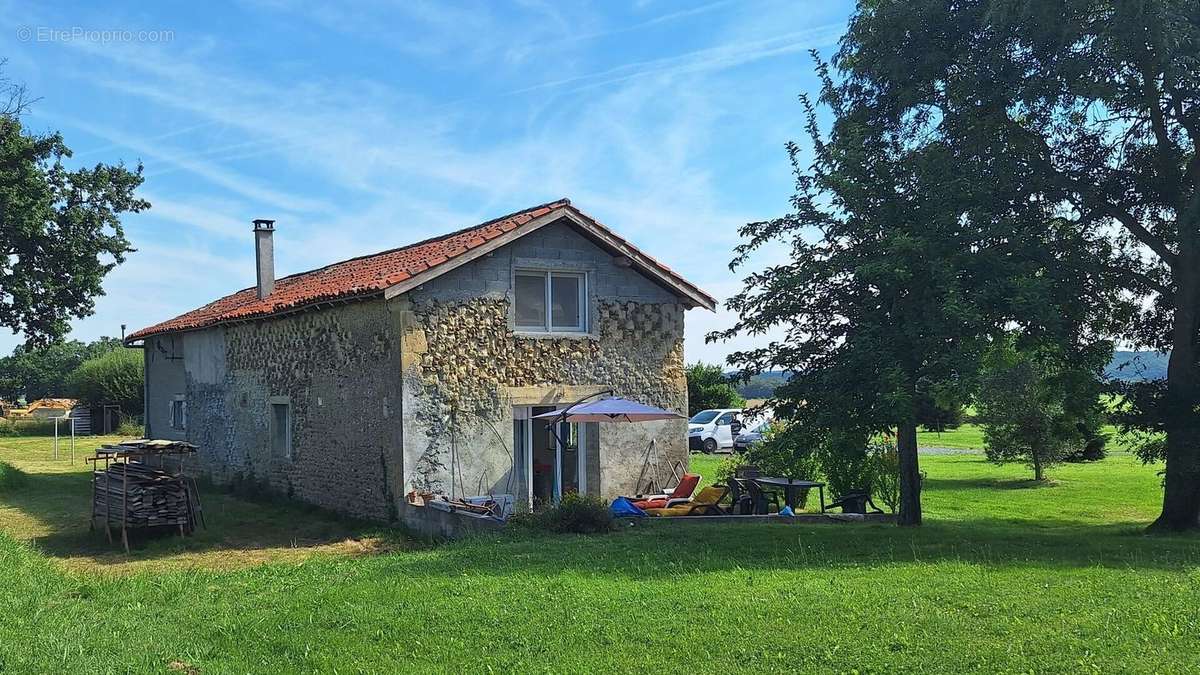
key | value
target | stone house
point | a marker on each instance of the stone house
(421, 368)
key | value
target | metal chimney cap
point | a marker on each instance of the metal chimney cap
(264, 224)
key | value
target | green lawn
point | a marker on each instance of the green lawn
(965, 437)
(1005, 576)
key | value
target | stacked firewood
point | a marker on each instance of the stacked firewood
(140, 496)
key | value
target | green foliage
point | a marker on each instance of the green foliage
(60, 230)
(1039, 406)
(1088, 108)
(708, 388)
(27, 427)
(883, 471)
(845, 462)
(576, 513)
(130, 428)
(115, 377)
(785, 450)
(761, 385)
(934, 416)
(40, 372)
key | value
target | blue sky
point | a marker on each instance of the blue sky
(360, 131)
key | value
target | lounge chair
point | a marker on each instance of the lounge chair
(681, 494)
(706, 503)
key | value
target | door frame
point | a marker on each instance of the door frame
(526, 419)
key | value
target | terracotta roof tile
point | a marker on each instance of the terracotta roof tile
(363, 276)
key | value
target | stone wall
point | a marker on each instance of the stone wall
(337, 369)
(465, 367)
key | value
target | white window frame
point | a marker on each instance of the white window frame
(548, 279)
(182, 401)
(285, 401)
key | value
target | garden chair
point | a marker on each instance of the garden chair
(761, 498)
(739, 495)
(747, 471)
(855, 502)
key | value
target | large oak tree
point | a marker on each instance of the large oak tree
(60, 228)
(1096, 103)
(895, 285)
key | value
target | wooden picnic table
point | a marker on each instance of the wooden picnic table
(791, 488)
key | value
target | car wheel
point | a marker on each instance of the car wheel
(710, 445)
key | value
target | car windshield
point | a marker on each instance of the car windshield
(704, 416)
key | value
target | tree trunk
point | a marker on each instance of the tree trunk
(910, 475)
(1039, 472)
(1181, 490)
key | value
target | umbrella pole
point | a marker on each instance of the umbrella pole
(562, 417)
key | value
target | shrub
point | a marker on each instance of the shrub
(113, 377)
(708, 387)
(131, 428)
(1039, 405)
(883, 466)
(936, 417)
(581, 514)
(1093, 450)
(30, 427)
(844, 461)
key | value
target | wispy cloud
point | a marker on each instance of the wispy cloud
(356, 162)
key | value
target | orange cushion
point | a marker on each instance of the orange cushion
(651, 504)
(687, 485)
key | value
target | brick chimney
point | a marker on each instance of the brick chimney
(264, 255)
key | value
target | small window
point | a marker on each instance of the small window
(178, 413)
(551, 302)
(725, 419)
(531, 301)
(281, 429)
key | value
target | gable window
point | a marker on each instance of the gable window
(178, 413)
(551, 302)
(281, 427)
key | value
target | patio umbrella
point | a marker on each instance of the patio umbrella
(618, 409)
(611, 410)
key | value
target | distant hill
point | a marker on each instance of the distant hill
(1137, 366)
(1125, 366)
(762, 385)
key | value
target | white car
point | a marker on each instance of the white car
(712, 430)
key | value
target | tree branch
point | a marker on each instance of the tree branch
(1143, 235)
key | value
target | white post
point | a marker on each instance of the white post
(557, 463)
(72, 440)
(581, 461)
(56, 438)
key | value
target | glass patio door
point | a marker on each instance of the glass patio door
(554, 463)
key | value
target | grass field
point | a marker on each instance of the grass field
(1004, 576)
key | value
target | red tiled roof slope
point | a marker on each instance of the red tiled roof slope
(363, 276)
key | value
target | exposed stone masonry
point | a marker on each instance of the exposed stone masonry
(465, 356)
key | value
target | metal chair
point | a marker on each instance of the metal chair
(741, 503)
(762, 497)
